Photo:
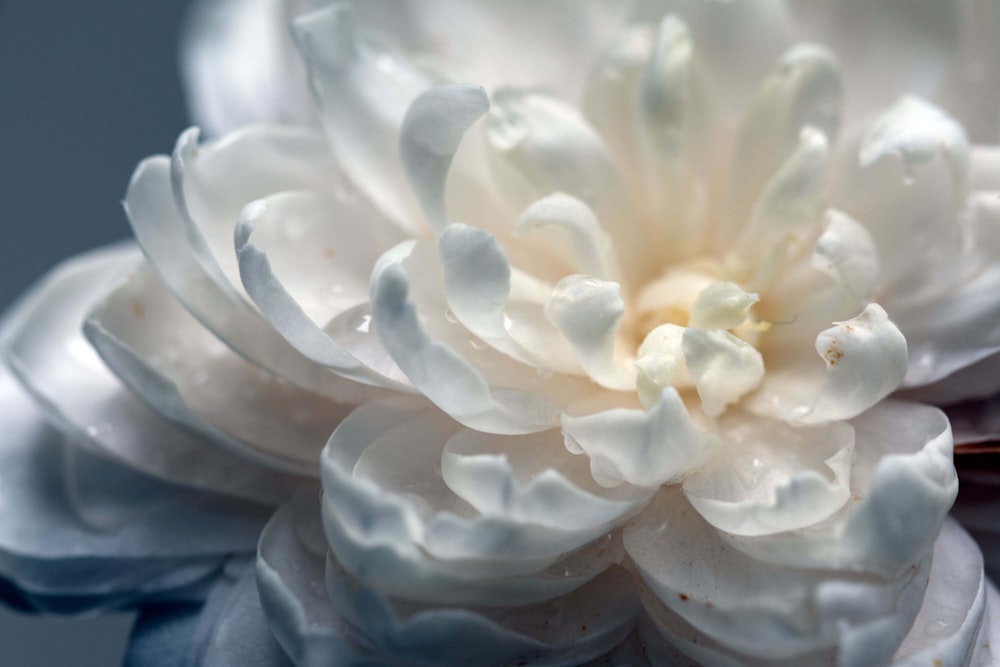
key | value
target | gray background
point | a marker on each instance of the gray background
(87, 89)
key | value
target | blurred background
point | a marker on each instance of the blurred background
(87, 89)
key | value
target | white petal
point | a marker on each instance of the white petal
(769, 477)
(276, 276)
(644, 448)
(804, 90)
(432, 130)
(789, 209)
(902, 484)
(532, 478)
(164, 355)
(443, 375)
(846, 252)
(672, 100)
(752, 608)
(723, 367)
(290, 579)
(70, 381)
(82, 531)
(589, 313)
(544, 44)
(916, 132)
(570, 630)
(539, 145)
(960, 326)
(591, 245)
(865, 361)
(239, 67)
(722, 305)
(956, 614)
(160, 229)
(213, 182)
(363, 90)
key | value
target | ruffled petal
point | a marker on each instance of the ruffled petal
(753, 608)
(644, 448)
(84, 533)
(389, 513)
(902, 484)
(770, 478)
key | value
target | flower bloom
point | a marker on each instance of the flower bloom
(621, 333)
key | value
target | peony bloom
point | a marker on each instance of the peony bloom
(604, 339)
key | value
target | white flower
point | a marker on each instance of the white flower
(622, 331)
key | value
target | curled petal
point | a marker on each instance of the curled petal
(589, 313)
(865, 361)
(644, 448)
(443, 375)
(432, 130)
(723, 367)
(263, 247)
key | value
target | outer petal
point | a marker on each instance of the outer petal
(160, 352)
(395, 523)
(82, 532)
(756, 609)
(79, 394)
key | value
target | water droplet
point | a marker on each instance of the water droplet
(571, 444)
(449, 315)
(364, 325)
(200, 376)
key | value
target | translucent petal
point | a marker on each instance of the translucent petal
(160, 229)
(239, 67)
(59, 367)
(82, 532)
(753, 608)
(290, 574)
(363, 89)
(212, 182)
(538, 144)
(902, 484)
(532, 478)
(382, 487)
(770, 478)
(272, 238)
(441, 373)
(432, 130)
(804, 90)
(644, 448)
(181, 371)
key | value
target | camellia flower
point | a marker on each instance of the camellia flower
(620, 333)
